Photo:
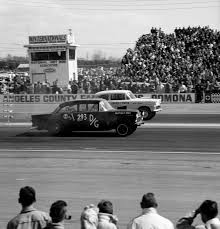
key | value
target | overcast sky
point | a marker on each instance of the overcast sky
(110, 26)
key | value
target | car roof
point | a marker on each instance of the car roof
(112, 92)
(80, 100)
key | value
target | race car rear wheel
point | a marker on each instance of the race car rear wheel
(146, 113)
(123, 130)
(55, 128)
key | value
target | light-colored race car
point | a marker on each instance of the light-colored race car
(125, 99)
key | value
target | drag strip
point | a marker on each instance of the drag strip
(169, 138)
(176, 159)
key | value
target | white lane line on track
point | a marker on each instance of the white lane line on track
(145, 125)
(181, 125)
(109, 151)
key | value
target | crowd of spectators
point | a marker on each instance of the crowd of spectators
(189, 56)
(187, 60)
(102, 216)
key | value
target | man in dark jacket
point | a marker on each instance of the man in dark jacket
(58, 213)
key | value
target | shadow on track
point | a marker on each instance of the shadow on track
(73, 134)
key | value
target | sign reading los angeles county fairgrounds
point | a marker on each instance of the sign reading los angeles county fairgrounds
(60, 98)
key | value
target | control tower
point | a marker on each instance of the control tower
(52, 58)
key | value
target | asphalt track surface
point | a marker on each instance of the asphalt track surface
(175, 156)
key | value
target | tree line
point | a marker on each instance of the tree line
(12, 62)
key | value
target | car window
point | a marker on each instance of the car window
(83, 107)
(93, 107)
(117, 96)
(64, 109)
(102, 106)
(73, 108)
(131, 95)
(106, 96)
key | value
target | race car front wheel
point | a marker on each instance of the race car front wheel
(146, 113)
(123, 130)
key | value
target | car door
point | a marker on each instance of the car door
(93, 117)
(105, 116)
(67, 115)
(82, 117)
(86, 117)
(119, 100)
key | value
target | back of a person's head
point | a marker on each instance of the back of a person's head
(58, 211)
(209, 208)
(149, 201)
(89, 217)
(105, 206)
(27, 196)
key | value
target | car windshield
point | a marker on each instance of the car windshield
(56, 110)
(131, 95)
(106, 106)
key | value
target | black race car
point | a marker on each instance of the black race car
(88, 115)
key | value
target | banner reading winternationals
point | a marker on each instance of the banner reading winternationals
(60, 98)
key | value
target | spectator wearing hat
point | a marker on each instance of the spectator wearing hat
(58, 213)
(29, 217)
(150, 218)
(208, 211)
(106, 219)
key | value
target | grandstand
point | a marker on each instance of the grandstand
(159, 63)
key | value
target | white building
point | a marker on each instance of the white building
(52, 58)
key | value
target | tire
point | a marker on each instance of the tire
(123, 130)
(55, 128)
(146, 112)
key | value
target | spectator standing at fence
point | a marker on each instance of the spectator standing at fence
(106, 219)
(29, 217)
(160, 88)
(58, 213)
(199, 92)
(168, 87)
(80, 89)
(190, 86)
(208, 211)
(74, 87)
(208, 87)
(150, 218)
(56, 89)
(216, 86)
(182, 88)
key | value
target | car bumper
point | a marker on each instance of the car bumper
(139, 121)
(157, 110)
